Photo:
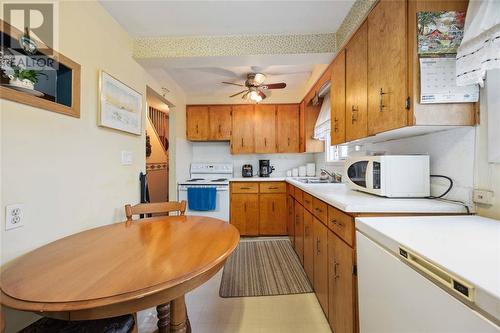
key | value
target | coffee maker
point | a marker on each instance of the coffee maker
(265, 168)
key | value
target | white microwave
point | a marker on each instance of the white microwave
(393, 176)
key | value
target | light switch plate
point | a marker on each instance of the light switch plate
(127, 157)
(484, 197)
(14, 216)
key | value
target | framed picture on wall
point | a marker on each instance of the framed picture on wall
(120, 107)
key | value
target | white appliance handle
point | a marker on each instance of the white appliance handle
(219, 188)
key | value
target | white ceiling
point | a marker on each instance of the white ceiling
(203, 84)
(220, 18)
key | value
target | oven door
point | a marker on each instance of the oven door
(221, 210)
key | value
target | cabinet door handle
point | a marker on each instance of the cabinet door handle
(335, 273)
(382, 106)
(196, 128)
(273, 188)
(307, 202)
(288, 141)
(244, 188)
(335, 124)
(317, 246)
(354, 114)
(265, 142)
(334, 221)
(273, 206)
(220, 129)
(242, 142)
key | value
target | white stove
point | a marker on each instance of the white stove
(209, 175)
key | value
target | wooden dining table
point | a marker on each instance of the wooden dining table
(120, 269)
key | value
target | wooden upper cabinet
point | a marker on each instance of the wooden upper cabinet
(242, 139)
(341, 292)
(244, 209)
(302, 127)
(265, 128)
(337, 99)
(387, 66)
(356, 80)
(288, 128)
(197, 123)
(273, 214)
(220, 122)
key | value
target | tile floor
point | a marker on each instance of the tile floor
(210, 313)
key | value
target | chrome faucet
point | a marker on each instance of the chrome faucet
(334, 176)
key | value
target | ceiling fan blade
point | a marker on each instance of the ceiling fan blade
(274, 86)
(245, 95)
(261, 94)
(234, 84)
(241, 92)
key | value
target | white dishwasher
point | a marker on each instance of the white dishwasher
(428, 274)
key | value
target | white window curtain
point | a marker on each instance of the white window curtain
(480, 47)
(323, 124)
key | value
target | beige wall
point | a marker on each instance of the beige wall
(67, 171)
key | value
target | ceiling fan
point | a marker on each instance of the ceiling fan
(255, 89)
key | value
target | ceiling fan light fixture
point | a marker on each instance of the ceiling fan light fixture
(254, 96)
(259, 78)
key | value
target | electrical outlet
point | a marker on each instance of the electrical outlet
(127, 157)
(483, 197)
(14, 216)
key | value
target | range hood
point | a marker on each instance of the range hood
(322, 92)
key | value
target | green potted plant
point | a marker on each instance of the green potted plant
(25, 78)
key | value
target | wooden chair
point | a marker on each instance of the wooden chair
(122, 324)
(155, 208)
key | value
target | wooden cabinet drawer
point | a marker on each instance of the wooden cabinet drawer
(272, 187)
(342, 224)
(307, 201)
(298, 195)
(320, 210)
(241, 187)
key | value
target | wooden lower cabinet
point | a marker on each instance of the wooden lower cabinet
(244, 210)
(273, 214)
(320, 235)
(259, 208)
(308, 245)
(341, 294)
(291, 219)
(299, 231)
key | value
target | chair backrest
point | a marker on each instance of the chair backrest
(155, 208)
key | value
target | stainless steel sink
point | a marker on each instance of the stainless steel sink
(313, 180)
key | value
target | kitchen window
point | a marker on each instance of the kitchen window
(335, 154)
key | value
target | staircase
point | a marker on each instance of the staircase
(159, 120)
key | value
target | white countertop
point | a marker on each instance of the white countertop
(258, 179)
(349, 201)
(468, 246)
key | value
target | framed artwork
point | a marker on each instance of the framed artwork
(120, 107)
(440, 32)
(34, 74)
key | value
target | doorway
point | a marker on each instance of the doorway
(157, 146)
